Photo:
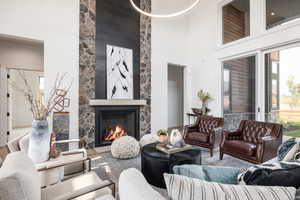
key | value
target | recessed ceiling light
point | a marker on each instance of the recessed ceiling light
(272, 14)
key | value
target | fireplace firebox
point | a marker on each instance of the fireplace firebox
(115, 122)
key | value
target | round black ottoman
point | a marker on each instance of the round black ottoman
(155, 163)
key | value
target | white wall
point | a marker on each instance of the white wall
(169, 45)
(21, 54)
(206, 53)
(56, 23)
(194, 41)
(203, 37)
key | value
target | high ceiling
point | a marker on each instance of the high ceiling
(276, 10)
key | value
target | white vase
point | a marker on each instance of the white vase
(39, 142)
(175, 137)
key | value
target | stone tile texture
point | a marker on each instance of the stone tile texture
(87, 60)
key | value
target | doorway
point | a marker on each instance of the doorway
(175, 96)
(19, 115)
(16, 54)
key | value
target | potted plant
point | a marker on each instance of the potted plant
(162, 135)
(41, 109)
(204, 98)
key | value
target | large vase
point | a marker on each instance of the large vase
(175, 137)
(39, 142)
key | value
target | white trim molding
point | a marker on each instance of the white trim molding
(117, 102)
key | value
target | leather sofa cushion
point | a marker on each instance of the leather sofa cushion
(240, 147)
(197, 136)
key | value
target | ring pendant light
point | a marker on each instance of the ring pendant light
(176, 14)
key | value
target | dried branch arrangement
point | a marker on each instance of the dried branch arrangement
(40, 107)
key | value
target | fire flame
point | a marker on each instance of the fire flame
(115, 132)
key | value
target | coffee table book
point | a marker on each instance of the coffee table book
(169, 149)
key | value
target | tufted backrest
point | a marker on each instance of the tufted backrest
(252, 131)
(206, 124)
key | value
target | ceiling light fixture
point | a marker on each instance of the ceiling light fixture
(164, 15)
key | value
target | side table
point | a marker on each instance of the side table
(155, 163)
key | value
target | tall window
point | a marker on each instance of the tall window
(239, 90)
(227, 89)
(281, 11)
(41, 83)
(236, 20)
(272, 81)
(282, 89)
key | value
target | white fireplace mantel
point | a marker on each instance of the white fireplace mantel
(117, 102)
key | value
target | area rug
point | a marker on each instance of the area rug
(108, 167)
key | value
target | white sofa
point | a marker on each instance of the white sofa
(133, 186)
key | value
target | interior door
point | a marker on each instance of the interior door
(3, 106)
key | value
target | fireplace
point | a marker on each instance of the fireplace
(115, 122)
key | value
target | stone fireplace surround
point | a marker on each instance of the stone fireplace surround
(87, 71)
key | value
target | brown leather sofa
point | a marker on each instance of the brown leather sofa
(254, 141)
(202, 133)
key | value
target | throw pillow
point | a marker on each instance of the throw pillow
(238, 192)
(184, 188)
(219, 174)
(285, 174)
(291, 153)
(297, 194)
(297, 156)
(192, 171)
(285, 148)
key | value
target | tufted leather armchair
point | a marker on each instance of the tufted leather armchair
(254, 141)
(203, 132)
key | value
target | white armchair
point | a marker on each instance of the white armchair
(20, 180)
(67, 165)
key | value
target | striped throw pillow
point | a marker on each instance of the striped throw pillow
(185, 188)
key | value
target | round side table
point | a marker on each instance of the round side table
(155, 163)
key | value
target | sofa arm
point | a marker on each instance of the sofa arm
(267, 148)
(192, 127)
(216, 136)
(67, 141)
(128, 190)
(68, 195)
(189, 128)
(93, 188)
(59, 162)
(230, 135)
(233, 135)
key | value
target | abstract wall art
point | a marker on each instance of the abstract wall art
(119, 69)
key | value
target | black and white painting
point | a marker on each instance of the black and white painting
(119, 72)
